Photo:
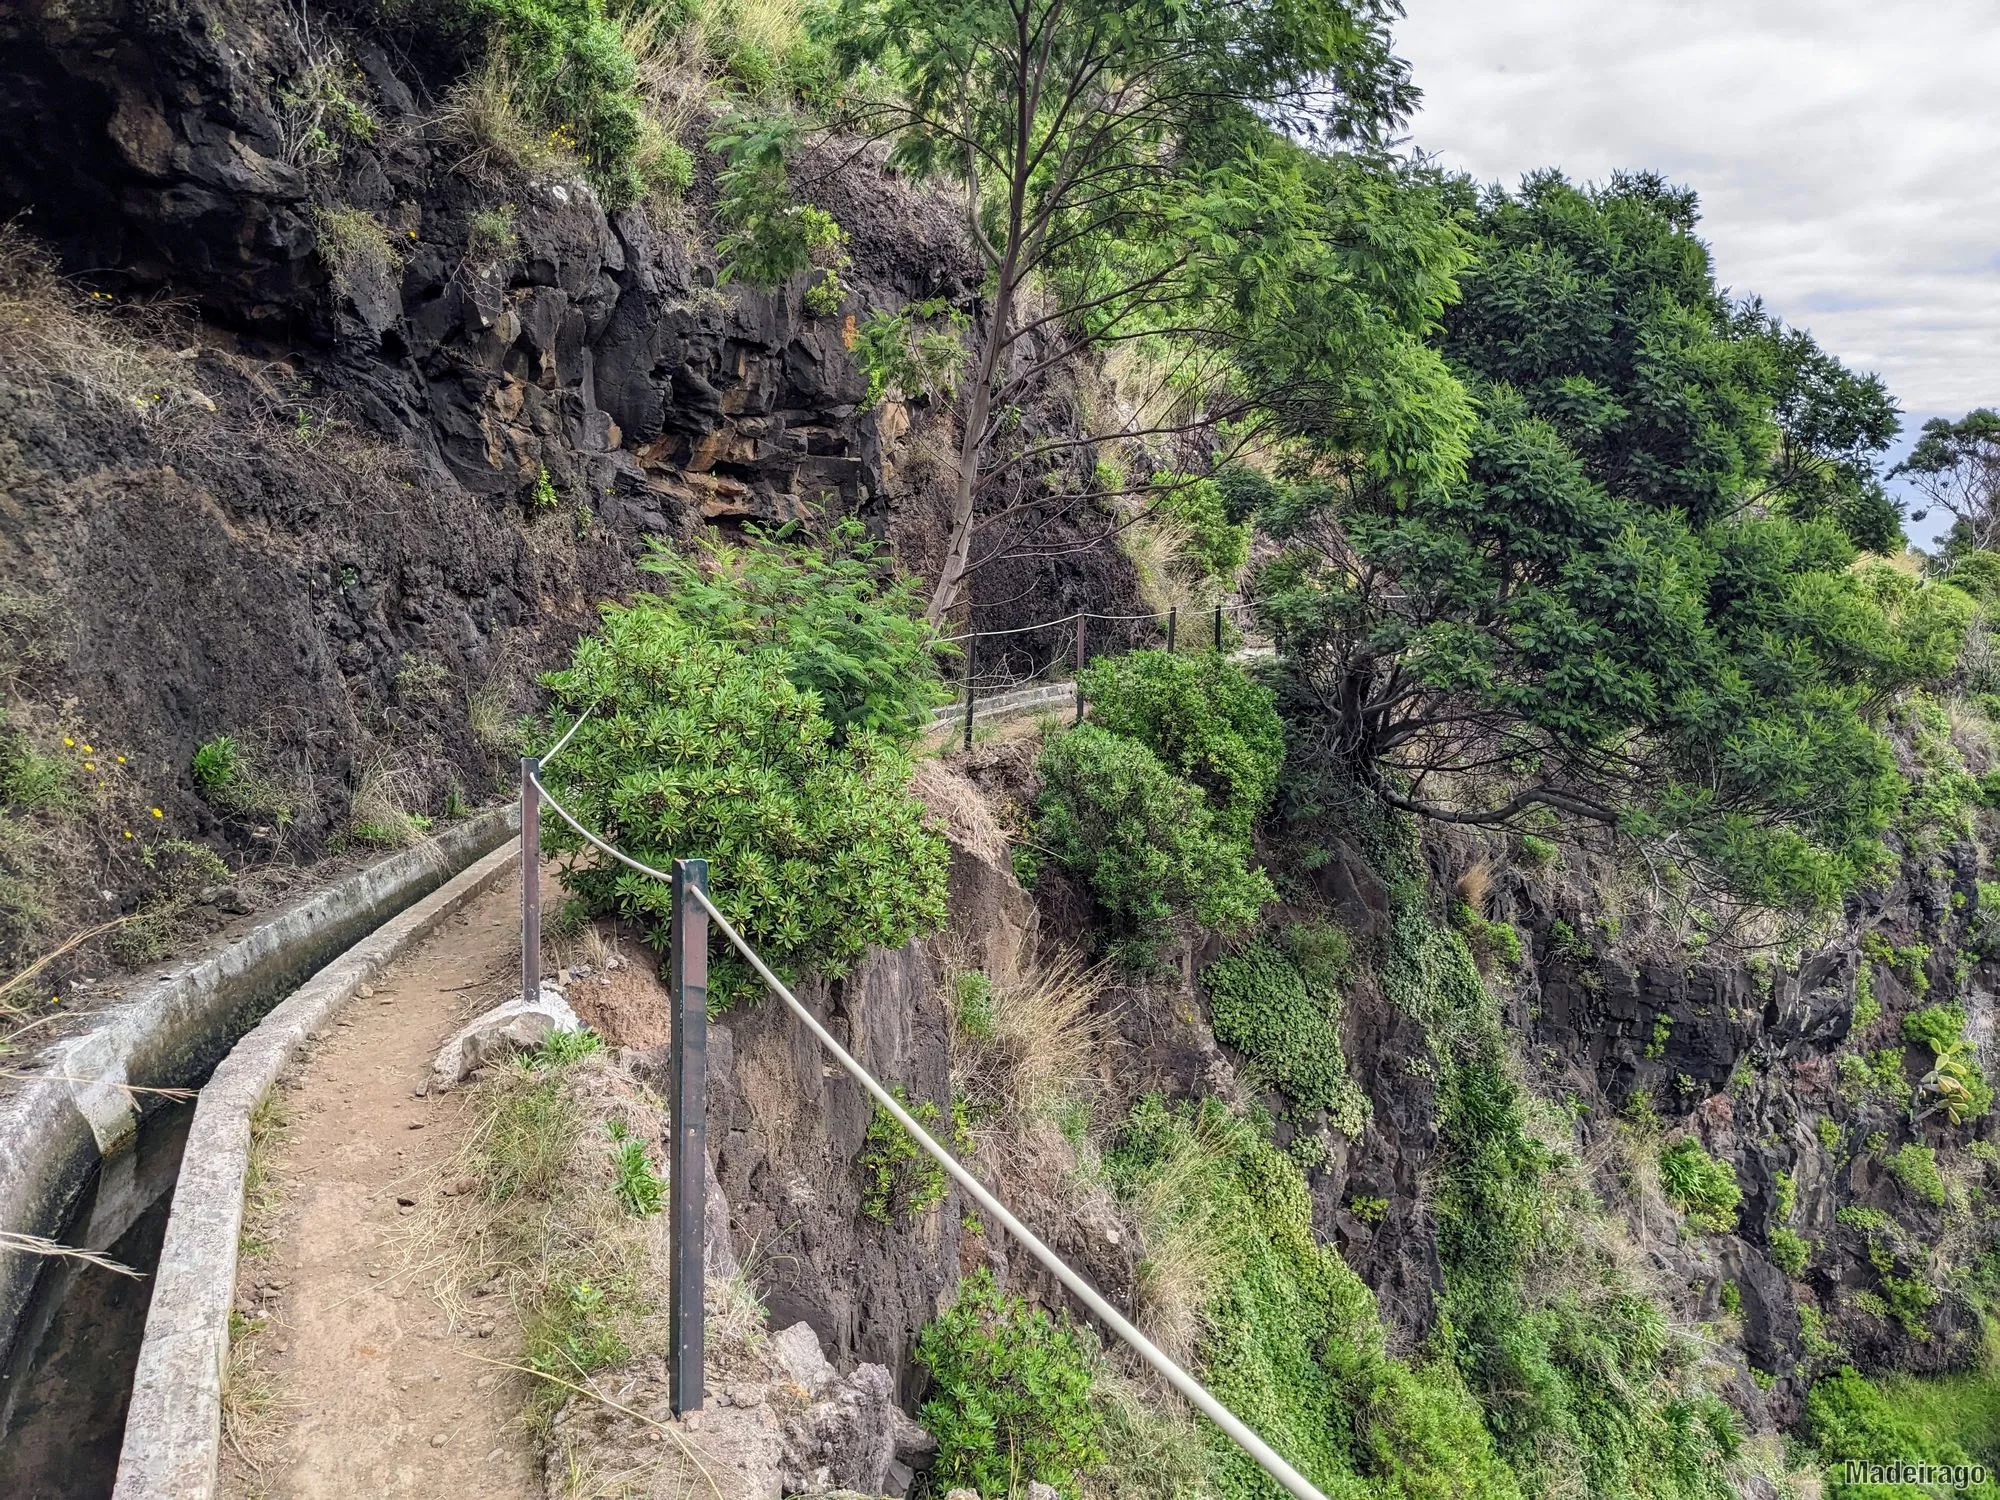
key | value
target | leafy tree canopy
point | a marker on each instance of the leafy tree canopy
(1121, 178)
(1956, 465)
(851, 631)
(1637, 604)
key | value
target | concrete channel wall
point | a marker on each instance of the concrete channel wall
(173, 1427)
(175, 1027)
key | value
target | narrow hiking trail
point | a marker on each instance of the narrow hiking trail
(356, 1383)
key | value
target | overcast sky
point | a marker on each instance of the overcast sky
(1847, 152)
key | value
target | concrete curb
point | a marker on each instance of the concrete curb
(174, 1028)
(173, 1427)
(1046, 695)
(1013, 701)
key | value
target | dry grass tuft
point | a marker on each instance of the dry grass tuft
(1475, 885)
(1156, 1448)
(1184, 1265)
(488, 115)
(528, 1208)
(263, 1190)
(963, 810)
(1024, 1048)
(250, 1408)
(380, 813)
(1157, 546)
(355, 246)
(52, 334)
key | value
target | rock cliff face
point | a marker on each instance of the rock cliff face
(343, 469)
(350, 505)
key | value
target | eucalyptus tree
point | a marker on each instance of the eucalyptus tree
(1956, 466)
(1122, 164)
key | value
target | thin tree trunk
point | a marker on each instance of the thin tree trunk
(958, 553)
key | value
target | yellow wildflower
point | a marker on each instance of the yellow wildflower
(157, 813)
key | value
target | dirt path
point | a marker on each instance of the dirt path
(357, 1385)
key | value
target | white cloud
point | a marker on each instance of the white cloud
(1844, 151)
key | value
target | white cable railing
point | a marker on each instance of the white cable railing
(1237, 1431)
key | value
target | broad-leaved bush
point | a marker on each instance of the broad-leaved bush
(1144, 841)
(1204, 717)
(701, 743)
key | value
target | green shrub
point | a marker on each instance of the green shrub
(1203, 717)
(1263, 1007)
(1915, 1167)
(769, 237)
(231, 780)
(215, 764)
(1790, 1251)
(638, 1186)
(1488, 941)
(1732, 1297)
(32, 782)
(1699, 1186)
(1828, 1131)
(972, 1005)
(561, 1048)
(918, 351)
(899, 1178)
(1011, 1394)
(1938, 1027)
(1849, 1418)
(1909, 1300)
(1867, 1006)
(852, 632)
(1220, 546)
(1872, 1075)
(1145, 842)
(1957, 1077)
(576, 80)
(1293, 1343)
(703, 745)
(1538, 853)
(1323, 952)
(353, 244)
(491, 236)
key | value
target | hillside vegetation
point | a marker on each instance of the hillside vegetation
(1530, 1032)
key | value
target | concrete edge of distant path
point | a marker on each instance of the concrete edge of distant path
(173, 1426)
(176, 1025)
(1043, 696)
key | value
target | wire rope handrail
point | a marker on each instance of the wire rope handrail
(1081, 614)
(1233, 1427)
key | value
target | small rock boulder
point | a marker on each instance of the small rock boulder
(501, 1032)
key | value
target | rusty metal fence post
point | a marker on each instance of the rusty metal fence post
(1173, 626)
(687, 962)
(531, 879)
